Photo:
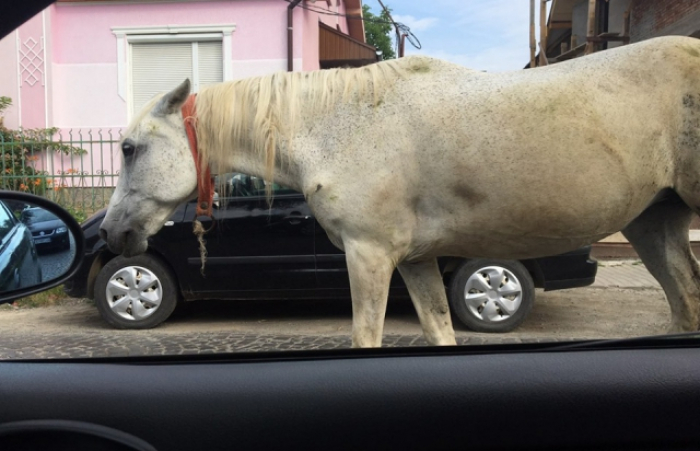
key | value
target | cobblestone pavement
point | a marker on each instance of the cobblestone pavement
(76, 346)
(208, 327)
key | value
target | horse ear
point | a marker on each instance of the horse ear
(172, 101)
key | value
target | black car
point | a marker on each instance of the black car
(19, 264)
(48, 232)
(255, 251)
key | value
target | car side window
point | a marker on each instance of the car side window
(237, 185)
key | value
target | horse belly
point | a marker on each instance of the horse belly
(551, 193)
(506, 245)
(525, 223)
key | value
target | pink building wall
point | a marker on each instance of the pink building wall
(24, 51)
(68, 73)
(87, 68)
(310, 20)
(78, 68)
(9, 81)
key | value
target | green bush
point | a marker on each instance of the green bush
(19, 152)
(78, 213)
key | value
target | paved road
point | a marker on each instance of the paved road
(55, 263)
(76, 330)
(76, 346)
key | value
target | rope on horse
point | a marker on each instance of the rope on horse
(199, 230)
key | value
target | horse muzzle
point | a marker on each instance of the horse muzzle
(122, 239)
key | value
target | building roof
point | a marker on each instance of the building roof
(356, 27)
(560, 14)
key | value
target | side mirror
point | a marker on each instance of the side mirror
(41, 245)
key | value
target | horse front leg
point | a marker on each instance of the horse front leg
(660, 237)
(427, 292)
(370, 272)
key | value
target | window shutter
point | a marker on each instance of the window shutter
(211, 64)
(158, 67)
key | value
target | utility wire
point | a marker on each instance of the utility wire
(403, 27)
(331, 13)
(409, 34)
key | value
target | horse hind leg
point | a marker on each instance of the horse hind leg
(660, 237)
(427, 292)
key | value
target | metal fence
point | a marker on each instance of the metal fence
(78, 169)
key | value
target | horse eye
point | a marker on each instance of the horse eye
(128, 149)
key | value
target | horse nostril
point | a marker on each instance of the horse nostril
(103, 234)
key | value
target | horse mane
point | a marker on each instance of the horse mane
(264, 112)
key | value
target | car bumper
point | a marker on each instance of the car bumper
(51, 241)
(77, 286)
(73, 289)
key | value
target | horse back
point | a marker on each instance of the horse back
(564, 155)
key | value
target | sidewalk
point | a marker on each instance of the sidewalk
(624, 274)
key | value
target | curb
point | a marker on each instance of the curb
(624, 274)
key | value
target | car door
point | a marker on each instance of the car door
(18, 257)
(9, 255)
(255, 247)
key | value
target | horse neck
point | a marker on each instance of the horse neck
(256, 122)
(247, 161)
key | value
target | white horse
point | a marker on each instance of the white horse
(407, 160)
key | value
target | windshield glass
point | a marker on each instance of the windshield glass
(433, 173)
(35, 215)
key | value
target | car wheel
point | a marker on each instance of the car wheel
(491, 295)
(135, 293)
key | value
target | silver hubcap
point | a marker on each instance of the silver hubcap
(493, 294)
(134, 293)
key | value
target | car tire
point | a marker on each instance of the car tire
(125, 302)
(484, 308)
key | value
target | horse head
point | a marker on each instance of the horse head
(157, 174)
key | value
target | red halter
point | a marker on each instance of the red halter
(205, 182)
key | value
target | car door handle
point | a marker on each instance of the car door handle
(295, 219)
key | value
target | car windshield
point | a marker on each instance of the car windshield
(399, 175)
(34, 215)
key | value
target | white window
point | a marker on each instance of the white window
(161, 66)
(157, 59)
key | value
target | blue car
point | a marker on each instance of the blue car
(48, 232)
